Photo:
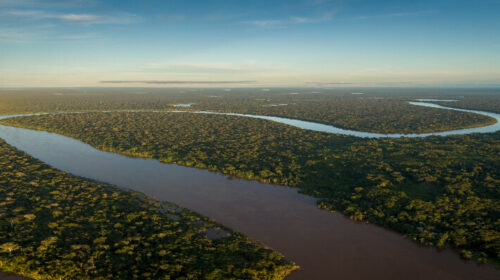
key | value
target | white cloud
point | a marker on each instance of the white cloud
(389, 15)
(207, 68)
(277, 23)
(77, 36)
(15, 35)
(23, 34)
(38, 33)
(177, 82)
(323, 18)
(48, 3)
(81, 17)
(265, 23)
(88, 19)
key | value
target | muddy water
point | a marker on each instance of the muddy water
(10, 276)
(325, 245)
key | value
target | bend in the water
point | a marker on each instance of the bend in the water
(320, 242)
(314, 126)
(336, 130)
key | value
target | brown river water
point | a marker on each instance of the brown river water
(324, 245)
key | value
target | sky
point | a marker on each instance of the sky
(233, 43)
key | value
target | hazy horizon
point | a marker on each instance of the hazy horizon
(300, 43)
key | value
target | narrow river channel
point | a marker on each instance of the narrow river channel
(336, 130)
(324, 245)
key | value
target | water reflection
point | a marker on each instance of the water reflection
(325, 245)
(336, 130)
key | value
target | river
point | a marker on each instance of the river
(336, 130)
(324, 245)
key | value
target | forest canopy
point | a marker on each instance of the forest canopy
(378, 110)
(57, 226)
(442, 191)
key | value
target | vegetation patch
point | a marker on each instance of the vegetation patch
(490, 103)
(441, 191)
(57, 226)
(384, 112)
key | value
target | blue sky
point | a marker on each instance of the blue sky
(249, 43)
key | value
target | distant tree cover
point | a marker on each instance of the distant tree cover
(483, 103)
(442, 191)
(57, 226)
(370, 114)
(383, 112)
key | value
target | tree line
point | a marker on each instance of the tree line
(57, 226)
(441, 191)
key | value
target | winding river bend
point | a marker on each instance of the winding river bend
(336, 130)
(325, 245)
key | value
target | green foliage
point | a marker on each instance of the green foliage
(57, 226)
(382, 112)
(372, 114)
(489, 103)
(442, 191)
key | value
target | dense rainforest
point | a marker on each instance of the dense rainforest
(483, 103)
(369, 114)
(442, 191)
(57, 226)
(376, 111)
